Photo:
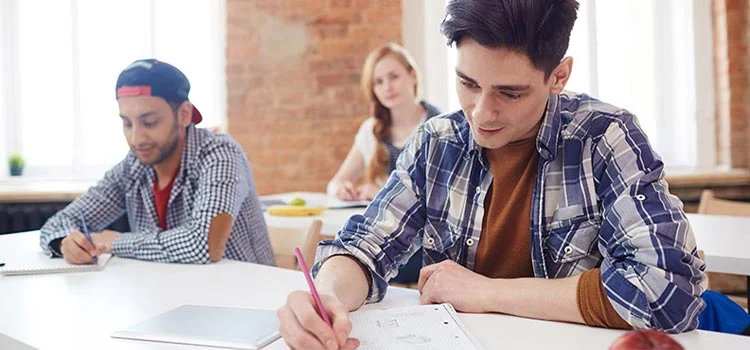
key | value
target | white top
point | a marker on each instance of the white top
(81, 310)
(366, 142)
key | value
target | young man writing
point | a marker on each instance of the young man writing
(188, 194)
(530, 201)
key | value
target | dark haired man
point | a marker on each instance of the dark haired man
(530, 201)
(189, 194)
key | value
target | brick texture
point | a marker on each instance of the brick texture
(731, 21)
(293, 70)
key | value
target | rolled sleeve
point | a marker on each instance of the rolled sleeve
(102, 204)
(390, 231)
(651, 271)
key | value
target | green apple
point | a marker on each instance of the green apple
(296, 201)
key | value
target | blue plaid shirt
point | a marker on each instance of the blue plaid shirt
(214, 177)
(600, 200)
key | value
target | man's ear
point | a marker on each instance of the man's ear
(185, 114)
(560, 75)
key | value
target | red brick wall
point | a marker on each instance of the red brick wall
(293, 70)
(732, 71)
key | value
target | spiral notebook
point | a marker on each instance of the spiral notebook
(422, 327)
(38, 263)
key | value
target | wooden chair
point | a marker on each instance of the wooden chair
(735, 286)
(714, 206)
(283, 242)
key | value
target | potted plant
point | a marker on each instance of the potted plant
(15, 164)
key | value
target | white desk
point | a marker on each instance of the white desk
(725, 240)
(81, 310)
(333, 219)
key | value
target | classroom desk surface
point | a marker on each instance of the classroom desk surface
(81, 310)
(724, 240)
(333, 219)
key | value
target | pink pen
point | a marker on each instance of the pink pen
(313, 291)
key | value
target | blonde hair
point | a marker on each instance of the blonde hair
(379, 162)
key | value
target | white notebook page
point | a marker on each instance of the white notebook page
(431, 327)
(38, 263)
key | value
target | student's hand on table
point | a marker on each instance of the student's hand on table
(302, 328)
(103, 240)
(347, 192)
(76, 249)
(367, 192)
(449, 282)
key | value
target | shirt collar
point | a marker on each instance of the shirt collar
(549, 132)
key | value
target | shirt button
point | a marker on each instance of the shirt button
(430, 240)
(479, 190)
(470, 242)
(640, 197)
(568, 250)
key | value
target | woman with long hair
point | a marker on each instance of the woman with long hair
(390, 82)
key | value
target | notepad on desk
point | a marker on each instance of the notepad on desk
(223, 327)
(37, 263)
(334, 203)
(420, 327)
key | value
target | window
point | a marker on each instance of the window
(60, 66)
(647, 57)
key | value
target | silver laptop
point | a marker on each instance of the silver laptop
(8, 343)
(223, 327)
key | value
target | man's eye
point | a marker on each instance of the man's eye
(511, 96)
(468, 84)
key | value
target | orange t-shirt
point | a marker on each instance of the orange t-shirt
(504, 249)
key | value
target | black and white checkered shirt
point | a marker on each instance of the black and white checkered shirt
(214, 177)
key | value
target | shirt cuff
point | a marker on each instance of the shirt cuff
(125, 244)
(329, 250)
(54, 247)
(594, 305)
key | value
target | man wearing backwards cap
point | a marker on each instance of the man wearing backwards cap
(189, 194)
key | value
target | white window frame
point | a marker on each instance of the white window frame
(420, 27)
(11, 77)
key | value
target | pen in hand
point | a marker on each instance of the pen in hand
(318, 303)
(88, 236)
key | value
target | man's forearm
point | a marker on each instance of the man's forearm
(343, 277)
(218, 235)
(539, 298)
